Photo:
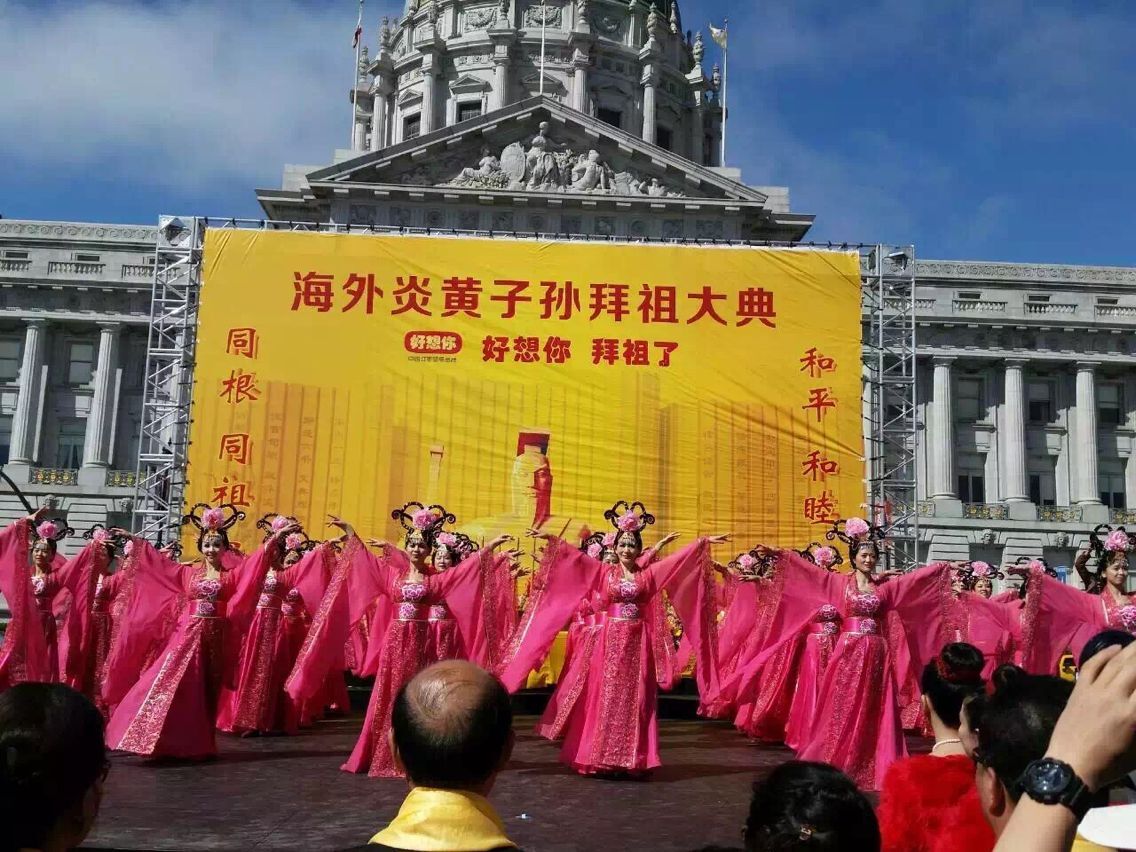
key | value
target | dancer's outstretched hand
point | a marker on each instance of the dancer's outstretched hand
(543, 536)
(376, 543)
(720, 539)
(37, 514)
(494, 543)
(667, 539)
(335, 521)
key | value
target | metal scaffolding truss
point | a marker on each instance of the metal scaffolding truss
(888, 291)
(168, 387)
(891, 427)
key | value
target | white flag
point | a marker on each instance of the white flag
(719, 36)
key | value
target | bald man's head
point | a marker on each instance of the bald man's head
(452, 726)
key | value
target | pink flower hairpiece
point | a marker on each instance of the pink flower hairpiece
(609, 539)
(595, 550)
(1117, 541)
(280, 522)
(1035, 565)
(746, 561)
(423, 519)
(981, 569)
(211, 519)
(294, 541)
(47, 529)
(447, 539)
(856, 528)
(100, 535)
(825, 557)
(128, 548)
(629, 522)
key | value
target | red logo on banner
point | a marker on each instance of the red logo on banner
(433, 342)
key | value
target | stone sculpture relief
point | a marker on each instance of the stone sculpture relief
(547, 166)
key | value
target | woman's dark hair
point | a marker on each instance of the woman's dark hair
(950, 678)
(807, 806)
(860, 544)
(1016, 721)
(1102, 640)
(51, 754)
(52, 545)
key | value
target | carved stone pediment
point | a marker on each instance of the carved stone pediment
(466, 84)
(539, 146)
(409, 98)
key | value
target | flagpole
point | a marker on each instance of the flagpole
(725, 63)
(355, 79)
(543, 27)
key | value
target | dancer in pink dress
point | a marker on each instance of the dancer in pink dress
(37, 586)
(258, 703)
(431, 613)
(611, 727)
(196, 614)
(977, 620)
(857, 725)
(1057, 617)
(89, 625)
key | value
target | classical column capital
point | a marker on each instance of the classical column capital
(943, 360)
(109, 325)
(36, 322)
(1087, 366)
(1016, 363)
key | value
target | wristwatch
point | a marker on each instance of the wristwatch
(1053, 782)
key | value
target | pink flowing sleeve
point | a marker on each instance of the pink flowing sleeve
(803, 589)
(24, 655)
(357, 578)
(80, 575)
(155, 587)
(564, 577)
(921, 599)
(1055, 617)
(471, 592)
(311, 575)
(688, 579)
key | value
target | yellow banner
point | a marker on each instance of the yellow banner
(518, 382)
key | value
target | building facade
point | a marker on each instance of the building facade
(462, 121)
(74, 314)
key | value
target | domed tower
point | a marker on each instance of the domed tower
(625, 62)
(463, 122)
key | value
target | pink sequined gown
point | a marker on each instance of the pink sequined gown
(582, 635)
(429, 622)
(986, 624)
(1056, 618)
(611, 726)
(818, 644)
(857, 725)
(258, 703)
(38, 603)
(171, 708)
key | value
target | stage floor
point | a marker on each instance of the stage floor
(288, 793)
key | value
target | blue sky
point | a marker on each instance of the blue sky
(982, 129)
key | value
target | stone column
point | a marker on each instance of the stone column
(650, 83)
(429, 91)
(100, 421)
(379, 117)
(1013, 439)
(697, 131)
(29, 404)
(1085, 486)
(359, 139)
(941, 447)
(580, 63)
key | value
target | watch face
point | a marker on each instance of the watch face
(1049, 777)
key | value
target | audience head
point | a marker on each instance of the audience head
(809, 806)
(1013, 725)
(452, 727)
(52, 766)
(949, 679)
(1102, 640)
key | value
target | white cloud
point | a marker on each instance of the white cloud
(176, 94)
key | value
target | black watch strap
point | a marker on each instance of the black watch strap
(1074, 794)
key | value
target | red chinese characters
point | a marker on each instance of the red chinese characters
(412, 294)
(312, 290)
(818, 467)
(236, 493)
(239, 387)
(632, 353)
(461, 296)
(756, 303)
(236, 447)
(526, 349)
(242, 342)
(820, 400)
(817, 364)
(821, 509)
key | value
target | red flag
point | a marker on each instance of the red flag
(358, 27)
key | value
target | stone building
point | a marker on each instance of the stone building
(1025, 379)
